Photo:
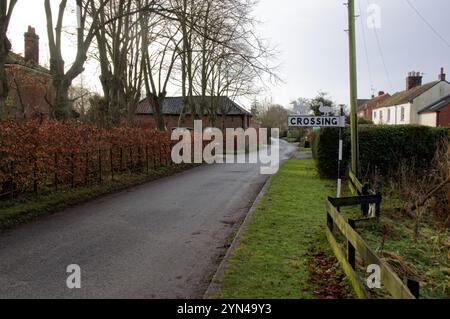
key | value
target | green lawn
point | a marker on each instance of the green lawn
(272, 259)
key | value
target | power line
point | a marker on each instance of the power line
(380, 50)
(433, 29)
(365, 46)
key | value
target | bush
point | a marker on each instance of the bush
(382, 148)
(58, 154)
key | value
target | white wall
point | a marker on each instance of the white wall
(412, 109)
(396, 115)
(428, 119)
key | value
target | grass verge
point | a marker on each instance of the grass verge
(279, 250)
(424, 259)
(26, 208)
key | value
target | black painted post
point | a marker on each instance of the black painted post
(414, 287)
(330, 222)
(351, 253)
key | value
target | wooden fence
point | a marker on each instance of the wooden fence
(355, 244)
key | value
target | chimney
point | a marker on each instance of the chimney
(31, 46)
(413, 80)
(381, 93)
(442, 76)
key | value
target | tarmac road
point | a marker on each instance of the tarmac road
(160, 240)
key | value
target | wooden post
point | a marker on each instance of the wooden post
(56, 172)
(353, 88)
(100, 165)
(12, 179)
(131, 157)
(121, 159)
(351, 253)
(72, 158)
(86, 172)
(35, 182)
(111, 157)
(146, 158)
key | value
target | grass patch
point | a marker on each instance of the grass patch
(26, 208)
(273, 256)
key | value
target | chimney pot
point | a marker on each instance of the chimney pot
(442, 76)
(413, 80)
(381, 93)
(31, 46)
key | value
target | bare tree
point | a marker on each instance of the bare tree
(6, 11)
(62, 77)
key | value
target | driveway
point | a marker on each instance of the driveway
(160, 240)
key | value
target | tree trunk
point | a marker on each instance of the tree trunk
(61, 108)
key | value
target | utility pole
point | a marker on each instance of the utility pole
(353, 89)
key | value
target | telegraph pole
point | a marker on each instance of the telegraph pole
(353, 88)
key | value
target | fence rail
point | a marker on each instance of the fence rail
(356, 245)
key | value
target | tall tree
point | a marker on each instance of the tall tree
(62, 77)
(6, 11)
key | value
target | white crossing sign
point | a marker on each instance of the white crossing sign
(316, 121)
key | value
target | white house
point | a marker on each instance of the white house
(404, 107)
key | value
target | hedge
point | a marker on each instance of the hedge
(55, 154)
(382, 148)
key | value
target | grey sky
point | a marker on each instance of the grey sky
(313, 45)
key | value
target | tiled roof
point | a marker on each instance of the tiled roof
(436, 105)
(374, 102)
(174, 105)
(361, 102)
(407, 96)
(14, 58)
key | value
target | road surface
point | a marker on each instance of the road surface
(160, 240)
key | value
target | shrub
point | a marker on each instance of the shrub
(56, 154)
(382, 148)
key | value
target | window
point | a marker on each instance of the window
(381, 116)
(402, 114)
(375, 114)
(389, 115)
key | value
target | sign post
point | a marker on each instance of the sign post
(324, 121)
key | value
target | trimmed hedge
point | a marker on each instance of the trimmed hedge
(382, 148)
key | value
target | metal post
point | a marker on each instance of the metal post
(341, 151)
(353, 88)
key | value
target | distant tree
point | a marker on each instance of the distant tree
(254, 108)
(322, 97)
(274, 116)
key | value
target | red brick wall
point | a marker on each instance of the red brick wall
(148, 121)
(28, 90)
(444, 116)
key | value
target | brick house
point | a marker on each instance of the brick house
(235, 117)
(29, 84)
(365, 109)
(439, 111)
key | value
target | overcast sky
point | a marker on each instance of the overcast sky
(313, 45)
